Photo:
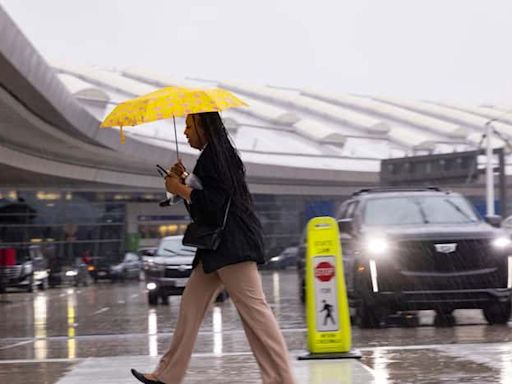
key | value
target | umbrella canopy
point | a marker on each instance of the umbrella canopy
(168, 103)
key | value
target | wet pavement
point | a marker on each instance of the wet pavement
(96, 333)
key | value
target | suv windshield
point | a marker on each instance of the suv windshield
(419, 210)
(174, 247)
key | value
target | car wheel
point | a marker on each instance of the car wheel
(164, 299)
(152, 298)
(30, 286)
(444, 312)
(43, 285)
(498, 313)
(368, 316)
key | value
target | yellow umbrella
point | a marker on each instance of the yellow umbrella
(170, 102)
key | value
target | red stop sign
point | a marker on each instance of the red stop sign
(324, 271)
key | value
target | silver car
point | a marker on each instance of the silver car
(167, 272)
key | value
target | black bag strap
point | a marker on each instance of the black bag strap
(226, 214)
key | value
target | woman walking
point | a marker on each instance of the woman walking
(220, 175)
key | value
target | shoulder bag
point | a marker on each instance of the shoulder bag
(205, 236)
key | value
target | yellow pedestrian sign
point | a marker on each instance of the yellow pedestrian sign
(327, 312)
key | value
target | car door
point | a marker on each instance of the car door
(132, 263)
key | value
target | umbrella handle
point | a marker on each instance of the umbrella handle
(176, 137)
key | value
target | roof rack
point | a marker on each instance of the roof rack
(395, 189)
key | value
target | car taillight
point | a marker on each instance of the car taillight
(91, 268)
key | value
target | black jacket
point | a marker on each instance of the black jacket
(242, 238)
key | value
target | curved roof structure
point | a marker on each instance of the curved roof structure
(292, 141)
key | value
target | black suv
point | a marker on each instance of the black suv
(417, 249)
(23, 267)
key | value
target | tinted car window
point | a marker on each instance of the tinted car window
(419, 210)
(130, 257)
(22, 255)
(174, 247)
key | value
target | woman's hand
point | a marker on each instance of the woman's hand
(178, 169)
(173, 183)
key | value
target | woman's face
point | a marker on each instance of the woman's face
(195, 134)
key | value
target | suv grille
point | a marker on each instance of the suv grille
(417, 265)
(178, 271)
(422, 256)
(11, 273)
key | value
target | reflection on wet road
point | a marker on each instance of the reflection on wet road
(46, 336)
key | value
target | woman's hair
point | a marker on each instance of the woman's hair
(227, 158)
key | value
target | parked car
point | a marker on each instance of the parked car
(417, 249)
(23, 268)
(168, 271)
(286, 259)
(506, 224)
(75, 274)
(129, 267)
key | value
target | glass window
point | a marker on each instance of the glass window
(130, 257)
(173, 247)
(341, 211)
(351, 209)
(156, 231)
(419, 210)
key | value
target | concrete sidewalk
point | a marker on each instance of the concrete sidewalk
(215, 369)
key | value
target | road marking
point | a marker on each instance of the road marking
(17, 344)
(104, 309)
(32, 361)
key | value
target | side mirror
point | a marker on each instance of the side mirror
(494, 220)
(345, 226)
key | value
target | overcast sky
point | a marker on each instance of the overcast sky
(445, 50)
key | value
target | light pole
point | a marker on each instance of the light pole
(489, 170)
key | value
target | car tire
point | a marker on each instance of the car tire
(444, 312)
(44, 284)
(497, 313)
(152, 298)
(30, 286)
(368, 316)
(164, 299)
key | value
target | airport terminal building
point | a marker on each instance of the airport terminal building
(72, 186)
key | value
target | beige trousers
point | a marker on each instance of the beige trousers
(243, 283)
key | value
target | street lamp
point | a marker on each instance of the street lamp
(489, 170)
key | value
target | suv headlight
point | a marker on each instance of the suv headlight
(501, 242)
(377, 246)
